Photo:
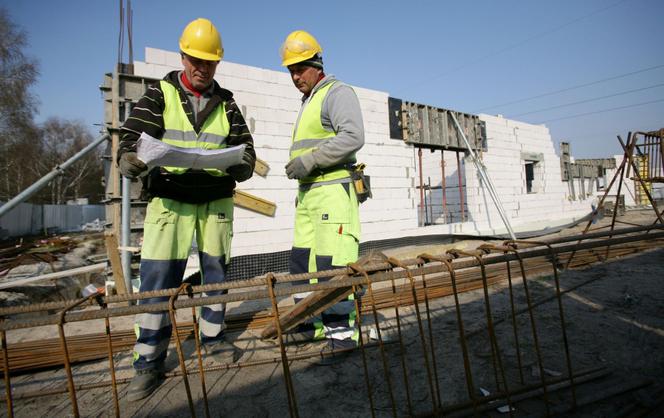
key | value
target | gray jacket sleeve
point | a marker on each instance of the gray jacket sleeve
(341, 113)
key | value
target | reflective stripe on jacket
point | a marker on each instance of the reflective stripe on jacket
(179, 131)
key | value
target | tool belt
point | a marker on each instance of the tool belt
(361, 182)
(193, 186)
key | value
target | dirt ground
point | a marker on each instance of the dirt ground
(614, 327)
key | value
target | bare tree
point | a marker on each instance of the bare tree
(59, 140)
(17, 106)
(28, 152)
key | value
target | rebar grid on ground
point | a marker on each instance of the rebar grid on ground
(367, 275)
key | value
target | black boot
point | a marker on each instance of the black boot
(144, 383)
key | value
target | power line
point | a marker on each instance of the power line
(578, 86)
(587, 100)
(602, 111)
(525, 41)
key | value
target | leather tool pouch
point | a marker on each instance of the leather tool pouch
(361, 182)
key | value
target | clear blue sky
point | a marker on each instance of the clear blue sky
(461, 55)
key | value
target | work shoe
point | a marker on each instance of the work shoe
(221, 352)
(144, 383)
(328, 355)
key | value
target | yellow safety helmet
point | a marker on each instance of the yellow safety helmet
(299, 46)
(200, 39)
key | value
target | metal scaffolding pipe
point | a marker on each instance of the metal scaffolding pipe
(421, 221)
(482, 170)
(126, 232)
(460, 181)
(443, 185)
(58, 170)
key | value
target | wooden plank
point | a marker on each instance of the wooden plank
(317, 301)
(254, 203)
(312, 305)
(261, 168)
(56, 275)
(116, 264)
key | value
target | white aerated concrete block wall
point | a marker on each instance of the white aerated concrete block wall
(390, 167)
(509, 143)
(627, 188)
(270, 104)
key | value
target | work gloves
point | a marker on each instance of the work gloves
(300, 167)
(130, 166)
(244, 170)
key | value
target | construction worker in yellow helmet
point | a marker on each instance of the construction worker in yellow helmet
(186, 109)
(328, 132)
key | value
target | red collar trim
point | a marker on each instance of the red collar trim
(188, 85)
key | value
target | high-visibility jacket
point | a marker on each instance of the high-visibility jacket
(309, 134)
(179, 131)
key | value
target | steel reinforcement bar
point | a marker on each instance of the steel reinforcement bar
(506, 388)
(349, 279)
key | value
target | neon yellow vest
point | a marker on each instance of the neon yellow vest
(179, 131)
(309, 134)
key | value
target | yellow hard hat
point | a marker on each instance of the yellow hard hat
(200, 39)
(299, 46)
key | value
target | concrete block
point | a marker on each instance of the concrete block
(232, 69)
(373, 95)
(287, 91)
(289, 104)
(248, 85)
(277, 142)
(232, 83)
(271, 102)
(376, 230)
(277, 240)
(280, 77)
(260, 223)
(173, 60)
(141, 67)
(385, 171)
(391, 182)
(160, 71)
(285, 129)
(493, 119)
(270, 127)
(511, 152)
(155, 56)
(374, 111)
(394, 148)
(245, 98)
(265, 140)
(284, 116)
(255, 74)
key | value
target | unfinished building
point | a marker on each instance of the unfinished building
(456, 333)
(424, 183)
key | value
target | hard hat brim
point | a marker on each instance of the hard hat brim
(202, 55)
(294, 60)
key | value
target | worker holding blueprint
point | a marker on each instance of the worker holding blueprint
(188, 141)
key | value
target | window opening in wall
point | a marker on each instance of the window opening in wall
(601, 178)
(530, 175)
(441, 186)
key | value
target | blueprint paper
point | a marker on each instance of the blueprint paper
(154, 152)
